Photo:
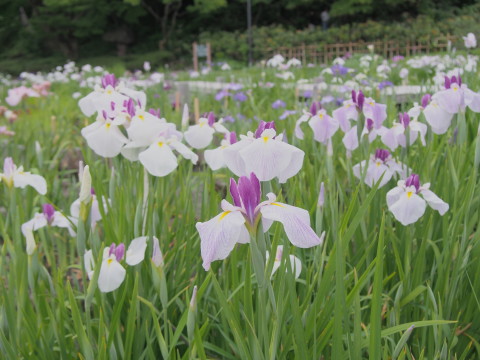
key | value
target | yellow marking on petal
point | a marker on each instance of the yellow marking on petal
(320, 116)
(107, 125)
(378, 163)
(141, 117)
(277, 204)
(455, 88)
(225, 213)
(265, 138)
(409, 194)
(109, 92)
(371, 103)
(201, 124)
(160, 144)
(109, 261)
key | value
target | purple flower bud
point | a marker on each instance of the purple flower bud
(447, 82)
(459, 80)
(104, 114)
(354, 96)
(154, 112)
(247, 193)
(360, 100)
(425, 100)
(453, 80)
(211, 118)
(109, 79)
(233, 137)
(112, 249)
(413, 180)
(120, 252)
(405, 120)
(234, 192)
(92, 191)
(382, 154)
(112, 105)
(130, 107)
(313, 108)
(369, 124)
(264, 126)
(49, 212)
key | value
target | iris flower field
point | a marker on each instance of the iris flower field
(289, 211)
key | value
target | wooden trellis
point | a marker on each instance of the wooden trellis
(325, 53)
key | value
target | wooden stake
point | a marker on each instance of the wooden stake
(177, 101)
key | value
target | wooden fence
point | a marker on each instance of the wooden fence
(325, 53)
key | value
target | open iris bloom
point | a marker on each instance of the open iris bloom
(323, 125)
(457, 96)
(236, 222)
(201, 135)
(112, 272)
(48, 216)
(409, 199)
(265, 154)
(104, 136)
(374, 114)
(437, 117)
(382, 163)
(111, 91)
(16, 177)
(397, 134)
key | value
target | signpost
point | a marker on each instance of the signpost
(201, 51)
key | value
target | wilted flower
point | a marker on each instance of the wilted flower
(219, 235)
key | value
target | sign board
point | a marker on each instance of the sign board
(202, 51)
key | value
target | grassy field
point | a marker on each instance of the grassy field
(374, 289)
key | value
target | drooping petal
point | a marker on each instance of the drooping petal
(157, 256)
(434, 201)
(111, 275)
(22, 179)
(324, 127)
(298, 130)
(184, 151)
(158, 159)
(214, 158)
(136, 251)
(450, 100)
(233, 160)
(350, 140)
(219, 235)
(39, 221)
(472, 100)
(31, 245)
(296, 223)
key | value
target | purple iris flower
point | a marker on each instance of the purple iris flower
(240, 96)
(229, 118)
(385, 84)
(339, 70)
(221, 94)
(278, 104)
(382, 154)
(397, 58)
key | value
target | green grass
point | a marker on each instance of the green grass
(358, 295)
